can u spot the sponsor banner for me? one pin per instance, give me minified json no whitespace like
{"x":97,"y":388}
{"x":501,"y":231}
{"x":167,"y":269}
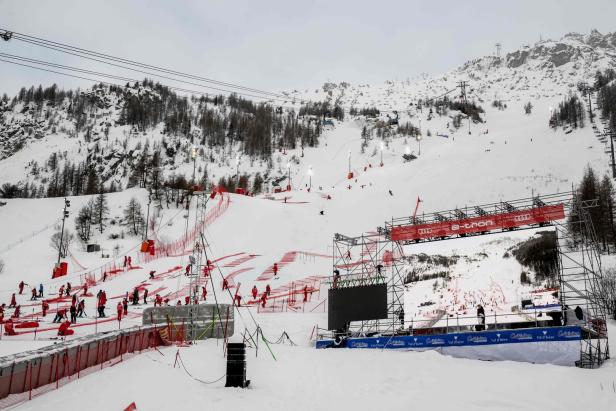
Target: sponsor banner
{"x":525,"y":335}
{"x":520,"y":218}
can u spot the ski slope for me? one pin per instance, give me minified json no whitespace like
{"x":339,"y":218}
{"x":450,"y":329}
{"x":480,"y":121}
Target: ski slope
{"x":509,"y":156}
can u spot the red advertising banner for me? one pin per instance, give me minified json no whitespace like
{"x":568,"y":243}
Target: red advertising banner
{"x":480,"y":224}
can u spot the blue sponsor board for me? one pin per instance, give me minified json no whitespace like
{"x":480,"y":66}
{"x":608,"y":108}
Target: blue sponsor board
{"x":524,"y":335}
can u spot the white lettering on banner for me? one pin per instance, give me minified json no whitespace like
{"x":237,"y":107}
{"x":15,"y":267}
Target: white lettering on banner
{"x":521,"y":336}
{"x":569,"y":334}
{"x":424,"y":231}
{"x":523,"y":217}
{"x":474,"y":224}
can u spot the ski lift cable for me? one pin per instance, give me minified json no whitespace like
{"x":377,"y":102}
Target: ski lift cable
{"x":132,"y":79}
{"x":180,"y":89}
{"x":82,"y":52}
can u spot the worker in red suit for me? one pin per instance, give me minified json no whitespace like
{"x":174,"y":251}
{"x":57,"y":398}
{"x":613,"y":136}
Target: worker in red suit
{"x":60,"y":314}
{"x":130,"y":262}
{"x":13,"y":303}
{"x":85,"y":289}
{"x":21,"y":287}
{"x":268,"y":289}
{"x":238,"y":300}
{"x":102,"y":300}
{"x":225,"y":284}
{"x":120,"y":310}
{"x":187,"y":300}
{"x":45,"y":307}
{"x":305,"y":293}
{"x":64,"y":329}
{"x":8,"y":328}
{"x":17,"y":312}
{"x":34,"y":295}
{"x":125,"y":306}
{"x":81,"y":308}
{"x":158,"y":301}
{"x":263,"y":299}
{"x":187,"y":270}
{"x":204,"y":293}
{"x":1,"y":313}
{"x":275,"y":269}
{"x":61,"y":291}
{"x":255,"y":292}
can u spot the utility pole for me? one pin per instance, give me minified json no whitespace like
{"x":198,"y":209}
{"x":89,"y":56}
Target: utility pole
{"x":611,"y":134}
{"x":289,"y":169}
{"x":310,"y":178}
{"x":589,"y":92}
{"x":463,"y":85}
{"x":350,"y":161}
{"x":237,"y":170}
{"x":194,"y":157}
{"x":147,"y":219}
{"x":67,"y":205}
{"x":419,"y":142}
{"x":498,"y":50}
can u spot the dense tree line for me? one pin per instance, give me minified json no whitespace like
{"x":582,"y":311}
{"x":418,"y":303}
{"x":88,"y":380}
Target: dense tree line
{"x":443,"y":105}
{"x":606,"y":96}
{"x":602,"y":216}
{"x":257,"y":129}
{"x":569,"y":112}
{"x":322,"y":110}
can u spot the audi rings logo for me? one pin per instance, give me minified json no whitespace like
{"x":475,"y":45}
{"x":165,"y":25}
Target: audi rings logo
{"x":474,"y":224}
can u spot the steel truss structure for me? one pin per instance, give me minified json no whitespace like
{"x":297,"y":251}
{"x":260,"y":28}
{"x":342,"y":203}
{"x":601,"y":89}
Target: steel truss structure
{"x":375,"y":258}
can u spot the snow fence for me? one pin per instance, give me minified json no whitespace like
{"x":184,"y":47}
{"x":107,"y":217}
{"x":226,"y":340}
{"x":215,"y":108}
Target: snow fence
{"x":31,"y":373}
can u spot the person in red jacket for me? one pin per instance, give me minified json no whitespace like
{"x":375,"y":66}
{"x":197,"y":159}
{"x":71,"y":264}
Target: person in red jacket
{"x":238,"y":300}
{"x":45,"y":307}
{"x":1,"y":313}
{"x":64,"y":330}
{"x":305,"y":293}
{"x":21,"y":287}
{"x":187,"y":270}
{"x":204,"y":293}
{"x":120,"y":311}
{"x":275,"y":269}
{"x":130,"y":262}
{"x":13,"y":303}
{"x":60,"y":314}
{"x":187,"y":300}
{"x":263,"y":299}
{"x":268,"y":289}
{"x":61,"y":291}
{"x":255,"y":292}
{"x":34,"y":295}
{"x":85,"y":289}
{"x":225,"y":284}
{"x":102,"y":300}
{"x":158,"y":301}
{"x":17,"y":312}
{"x":8,"y":328}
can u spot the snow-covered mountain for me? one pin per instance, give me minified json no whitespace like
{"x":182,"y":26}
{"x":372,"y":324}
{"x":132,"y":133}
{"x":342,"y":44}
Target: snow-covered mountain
{"x":113,"y":131}
{"x":547,"y":69}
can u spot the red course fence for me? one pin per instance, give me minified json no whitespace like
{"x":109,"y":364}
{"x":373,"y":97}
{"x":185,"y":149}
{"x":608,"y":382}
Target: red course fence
{"x":32,"y":373}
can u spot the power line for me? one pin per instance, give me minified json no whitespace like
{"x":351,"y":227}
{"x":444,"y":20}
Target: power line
{"x":174,"y":79}
{"x":69,"y":68}
{"x":84,"y":53}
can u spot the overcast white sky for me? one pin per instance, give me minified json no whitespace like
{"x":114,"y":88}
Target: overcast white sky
{"x":286,"y":44}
